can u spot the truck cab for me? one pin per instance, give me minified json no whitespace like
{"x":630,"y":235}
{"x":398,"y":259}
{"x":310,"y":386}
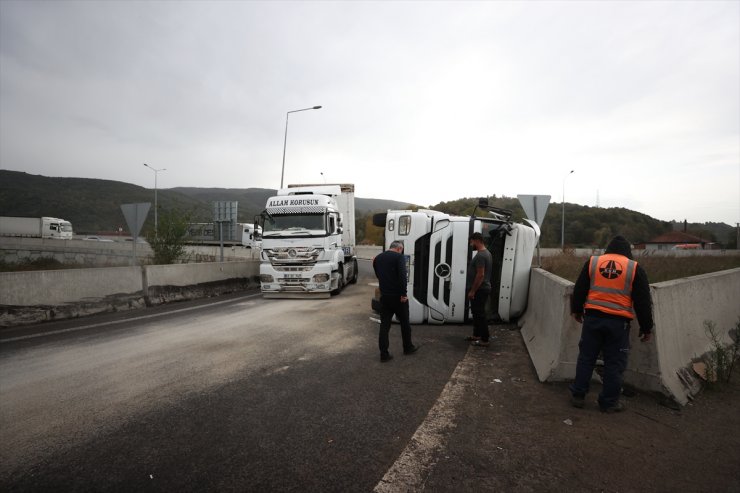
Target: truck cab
{"x":308,"y":241}
{"x":251,"y":236}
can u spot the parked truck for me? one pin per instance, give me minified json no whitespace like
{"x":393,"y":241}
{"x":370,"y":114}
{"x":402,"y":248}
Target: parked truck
{"x":36,"y":227}
{"x":210,"y":233}
{"x":308,"y":241}
{"x":437,"y":251}
{"x":251,"y":236}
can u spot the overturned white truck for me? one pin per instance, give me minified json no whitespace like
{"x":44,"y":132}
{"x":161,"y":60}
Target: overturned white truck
{"x":437,"y":253}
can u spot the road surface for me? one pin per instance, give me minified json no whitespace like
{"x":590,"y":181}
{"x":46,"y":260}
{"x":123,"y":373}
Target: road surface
{"x":231,"y":394}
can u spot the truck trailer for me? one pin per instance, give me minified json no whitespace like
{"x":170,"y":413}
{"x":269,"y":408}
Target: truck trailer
{"x":233,"y":234}
{"x":36,"y":227}
{"x":308,"y":241}
{"x":437,"y":251}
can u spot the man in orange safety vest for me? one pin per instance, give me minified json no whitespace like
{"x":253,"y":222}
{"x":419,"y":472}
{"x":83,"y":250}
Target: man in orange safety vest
{"x":611,"y":289}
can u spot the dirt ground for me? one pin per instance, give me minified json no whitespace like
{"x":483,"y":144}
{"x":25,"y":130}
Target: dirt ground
{"x":517,"y":434}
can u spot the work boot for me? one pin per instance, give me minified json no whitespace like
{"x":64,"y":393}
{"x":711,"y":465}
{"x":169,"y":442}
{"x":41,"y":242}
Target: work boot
{"x":616,"y":408}
{"x":578,"y":401}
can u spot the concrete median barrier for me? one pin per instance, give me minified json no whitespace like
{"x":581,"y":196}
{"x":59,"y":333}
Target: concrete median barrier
{"x":681,"y":308}
{"x":36,"y":296}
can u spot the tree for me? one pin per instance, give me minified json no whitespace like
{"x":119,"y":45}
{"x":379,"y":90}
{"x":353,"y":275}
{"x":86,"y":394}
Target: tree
{"x":168,"y":244}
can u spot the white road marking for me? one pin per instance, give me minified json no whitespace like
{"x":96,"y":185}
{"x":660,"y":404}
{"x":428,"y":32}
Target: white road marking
{"x":412,"y":468}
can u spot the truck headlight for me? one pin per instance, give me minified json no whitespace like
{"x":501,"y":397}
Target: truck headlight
{"x":266,"y":278}
{"x":321,"y":278}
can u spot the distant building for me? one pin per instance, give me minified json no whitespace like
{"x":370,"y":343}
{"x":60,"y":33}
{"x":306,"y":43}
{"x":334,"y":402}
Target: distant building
{"x":676,"y":240}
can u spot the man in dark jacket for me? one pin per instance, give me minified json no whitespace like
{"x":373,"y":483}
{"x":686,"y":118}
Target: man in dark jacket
{"x":611,"y":289}
{"x":390,"y":269}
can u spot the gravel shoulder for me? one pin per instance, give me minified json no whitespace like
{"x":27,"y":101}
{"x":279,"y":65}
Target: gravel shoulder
{"x":514,"y":433}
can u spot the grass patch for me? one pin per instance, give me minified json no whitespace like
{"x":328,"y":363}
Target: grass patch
{"x":658,"y":268}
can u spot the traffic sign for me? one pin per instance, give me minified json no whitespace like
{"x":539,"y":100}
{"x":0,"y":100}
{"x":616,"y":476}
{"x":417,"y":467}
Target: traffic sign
{"x":535,"y":206}
{"x":135,"y":215}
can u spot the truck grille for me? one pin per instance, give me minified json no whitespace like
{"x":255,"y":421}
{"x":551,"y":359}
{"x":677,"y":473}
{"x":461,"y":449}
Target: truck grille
{"x":296,"y":256}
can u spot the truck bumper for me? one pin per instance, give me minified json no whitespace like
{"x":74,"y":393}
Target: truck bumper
{"x":314,"y":283}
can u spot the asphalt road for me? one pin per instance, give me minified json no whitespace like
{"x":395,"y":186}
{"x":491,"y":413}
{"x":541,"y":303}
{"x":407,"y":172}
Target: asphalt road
{"x":229,"y":394}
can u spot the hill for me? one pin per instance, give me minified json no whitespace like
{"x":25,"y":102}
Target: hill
{"x":93,"y":206}
{"x":593,"y":226}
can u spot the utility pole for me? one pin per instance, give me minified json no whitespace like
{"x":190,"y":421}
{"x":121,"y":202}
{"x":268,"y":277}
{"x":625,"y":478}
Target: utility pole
{"x":562,"y":229}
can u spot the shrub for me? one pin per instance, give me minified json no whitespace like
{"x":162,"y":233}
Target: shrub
{"x":720,"y":360}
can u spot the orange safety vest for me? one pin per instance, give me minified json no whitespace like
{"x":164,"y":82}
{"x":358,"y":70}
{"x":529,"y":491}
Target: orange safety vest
{"x":611,"y":284}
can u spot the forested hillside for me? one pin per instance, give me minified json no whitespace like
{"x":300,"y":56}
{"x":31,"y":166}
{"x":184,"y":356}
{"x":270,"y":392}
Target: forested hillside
{"x":93,"y":206}
{"x":584,"y":227}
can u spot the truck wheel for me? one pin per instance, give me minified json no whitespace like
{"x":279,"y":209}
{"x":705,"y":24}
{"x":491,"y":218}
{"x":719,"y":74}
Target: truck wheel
{"x":340,"y":280}
{"x":354,"y":272}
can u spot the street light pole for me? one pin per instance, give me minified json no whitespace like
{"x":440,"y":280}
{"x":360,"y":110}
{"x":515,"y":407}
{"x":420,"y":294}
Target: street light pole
{"x":562,"y":229}
{"x":285,"y":141}
{"x":156,"y":171}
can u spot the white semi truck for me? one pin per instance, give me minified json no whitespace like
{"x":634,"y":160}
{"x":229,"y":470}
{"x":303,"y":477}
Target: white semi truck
{"x":437,"y":251}
{"x":308,"y":241}
{"x":36,"y":227}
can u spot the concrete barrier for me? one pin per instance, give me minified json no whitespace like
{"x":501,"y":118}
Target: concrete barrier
{"x":91,"y":253}
{"x":191,"y":274}
{"x":31,"y":297}
{"x":55,"y":287}
{"x":547,"y":328}
{"x":680,"y":309}
{"x":107,"y":253}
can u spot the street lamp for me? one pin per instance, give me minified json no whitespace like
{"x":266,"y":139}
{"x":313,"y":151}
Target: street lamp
{"x":285,"y":142}
{"x":562,"y":230}
{"x":155,"y":194}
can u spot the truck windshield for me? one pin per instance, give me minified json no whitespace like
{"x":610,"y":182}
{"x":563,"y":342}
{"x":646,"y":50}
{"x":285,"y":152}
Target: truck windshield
{"x":309,"y":223}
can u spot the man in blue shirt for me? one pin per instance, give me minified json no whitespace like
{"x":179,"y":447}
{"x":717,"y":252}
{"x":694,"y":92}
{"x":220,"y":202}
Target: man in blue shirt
{"x":390,"y":269}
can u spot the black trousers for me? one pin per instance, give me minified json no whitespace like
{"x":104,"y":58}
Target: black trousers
{"x":612,"y":338}
{"x":478,"y":307}
{"x":389,"y":306}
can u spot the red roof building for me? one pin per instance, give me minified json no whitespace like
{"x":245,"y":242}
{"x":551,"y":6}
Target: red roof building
{"x":675,"y":240}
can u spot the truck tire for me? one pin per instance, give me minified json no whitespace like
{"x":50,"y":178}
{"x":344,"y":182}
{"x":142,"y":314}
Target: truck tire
{"x":354,"y":272}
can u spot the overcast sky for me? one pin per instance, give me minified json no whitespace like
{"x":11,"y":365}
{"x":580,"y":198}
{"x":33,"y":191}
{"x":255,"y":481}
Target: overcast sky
{"x":422,"y":101}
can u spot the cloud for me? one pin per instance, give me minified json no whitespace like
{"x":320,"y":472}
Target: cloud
{"x":422,"y":101}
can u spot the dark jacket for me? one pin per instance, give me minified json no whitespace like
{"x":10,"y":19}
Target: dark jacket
{"x":641,"y":301}
{"x":390,"y":269}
